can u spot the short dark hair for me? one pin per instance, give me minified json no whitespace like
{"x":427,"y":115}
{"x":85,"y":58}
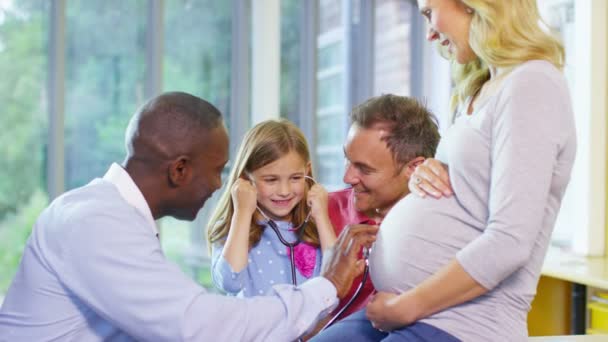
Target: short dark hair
{"x":183,"y":112}
{"x":171,"y":124}
{"x":413,"y":128}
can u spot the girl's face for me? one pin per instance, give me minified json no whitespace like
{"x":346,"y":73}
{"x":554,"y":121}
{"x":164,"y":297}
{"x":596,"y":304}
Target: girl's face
{"x":449,"y":22}
{"x":281,"y":185}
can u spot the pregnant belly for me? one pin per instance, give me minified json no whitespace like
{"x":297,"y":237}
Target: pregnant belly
{"x":418,"y":237}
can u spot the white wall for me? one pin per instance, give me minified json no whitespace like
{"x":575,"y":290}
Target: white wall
{"x":265,"y":60}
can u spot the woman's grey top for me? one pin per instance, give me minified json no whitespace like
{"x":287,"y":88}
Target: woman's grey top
{"x":509,"y":164}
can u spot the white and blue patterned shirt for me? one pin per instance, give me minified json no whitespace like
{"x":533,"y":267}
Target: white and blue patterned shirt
{"x":268,"y":264}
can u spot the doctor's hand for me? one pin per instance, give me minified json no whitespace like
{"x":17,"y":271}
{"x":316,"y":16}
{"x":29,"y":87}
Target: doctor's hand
{"x":341,"y":263}
{"x":244,"y":196}
{"x":431,"y":178}
{"x":387,"y":312}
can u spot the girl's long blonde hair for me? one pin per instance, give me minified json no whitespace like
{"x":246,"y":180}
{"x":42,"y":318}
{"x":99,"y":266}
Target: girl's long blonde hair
{"x":503,"y":34}
{"x":265,"y":143}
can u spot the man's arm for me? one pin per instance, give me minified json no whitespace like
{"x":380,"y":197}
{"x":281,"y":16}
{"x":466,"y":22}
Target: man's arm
{"x":120,"y":272}
{"x":318,"y":327}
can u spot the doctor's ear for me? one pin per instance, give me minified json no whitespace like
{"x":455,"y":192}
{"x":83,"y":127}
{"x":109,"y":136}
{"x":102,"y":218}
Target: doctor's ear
{"x":179,"y":171}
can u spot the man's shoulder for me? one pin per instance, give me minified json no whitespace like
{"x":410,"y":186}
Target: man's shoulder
{"x":98,"y":190}
{"x":97,"y":197}
{"x":340,"y":201}
{"x":341,"y":196}
{"x":341,"y":209}
{"x":83,"y":217}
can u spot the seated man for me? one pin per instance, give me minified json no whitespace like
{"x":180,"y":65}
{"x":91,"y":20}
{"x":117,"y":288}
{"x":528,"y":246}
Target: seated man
{"x":93,"y":268}
{"x":389,"y":136}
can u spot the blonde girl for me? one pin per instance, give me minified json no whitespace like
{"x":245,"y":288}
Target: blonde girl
{"x":270,"y":184}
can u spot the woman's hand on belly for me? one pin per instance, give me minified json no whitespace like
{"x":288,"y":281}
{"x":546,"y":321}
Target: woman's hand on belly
{"x":390,"y":311}
{"x":431,"y":178}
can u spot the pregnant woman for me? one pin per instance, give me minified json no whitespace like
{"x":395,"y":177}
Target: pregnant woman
{"x":465,"y":266}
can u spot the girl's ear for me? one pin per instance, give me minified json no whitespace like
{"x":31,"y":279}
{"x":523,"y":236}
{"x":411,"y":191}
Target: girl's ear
{"x":247,"y":176}
{"x":309,"y":169}
{"x":410,"y":167}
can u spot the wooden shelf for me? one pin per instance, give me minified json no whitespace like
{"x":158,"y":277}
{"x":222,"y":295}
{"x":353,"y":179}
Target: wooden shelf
{"x":590,"y":271}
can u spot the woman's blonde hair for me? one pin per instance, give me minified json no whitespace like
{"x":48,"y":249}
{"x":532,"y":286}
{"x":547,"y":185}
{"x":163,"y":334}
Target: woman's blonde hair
{"x":503,"y":34}
{"x":265,"y":143}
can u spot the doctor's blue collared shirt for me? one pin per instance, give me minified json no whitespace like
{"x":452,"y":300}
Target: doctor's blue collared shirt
{"x":93,"y":270}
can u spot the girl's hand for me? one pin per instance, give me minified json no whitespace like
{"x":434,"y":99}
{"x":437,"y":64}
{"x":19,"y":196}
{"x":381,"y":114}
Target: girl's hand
{"x":244,"y":196}
{"x":431,"y":177}
{"x":384,"y":312}
{"x":317,"y":201}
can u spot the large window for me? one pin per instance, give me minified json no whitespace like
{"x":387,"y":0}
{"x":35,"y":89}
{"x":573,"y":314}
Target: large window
{"x":23,"y":125}
{"x":393,"y":46}
{"x":198,"y":64}
{"x":290,"y":58}
{"x":331,"y":111}
{"x":105,"y":63}
{"x":106,"y":50}
{"x":348,"y":73}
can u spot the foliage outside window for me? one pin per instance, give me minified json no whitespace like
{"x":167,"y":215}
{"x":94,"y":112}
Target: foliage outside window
{"x":23,"y":124}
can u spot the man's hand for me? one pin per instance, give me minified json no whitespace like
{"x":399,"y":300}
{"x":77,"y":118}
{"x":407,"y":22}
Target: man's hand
{"x":340,"y":263}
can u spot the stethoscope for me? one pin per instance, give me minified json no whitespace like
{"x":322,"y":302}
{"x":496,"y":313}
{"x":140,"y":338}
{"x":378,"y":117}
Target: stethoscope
{"x":366,"y":252}
{"x":290,"y":245}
